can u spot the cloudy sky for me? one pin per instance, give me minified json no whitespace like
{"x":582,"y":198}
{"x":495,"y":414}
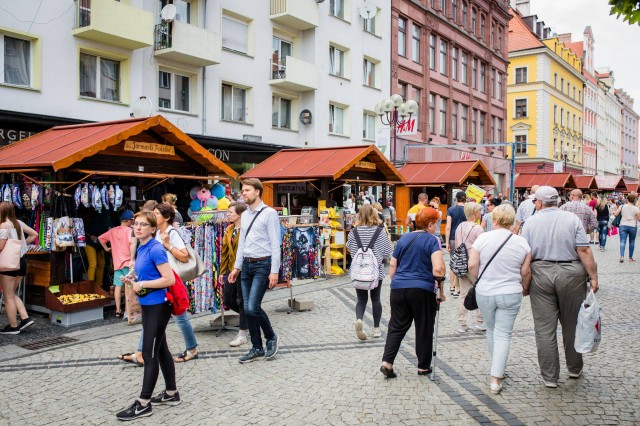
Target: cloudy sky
{"x":617,"y":42}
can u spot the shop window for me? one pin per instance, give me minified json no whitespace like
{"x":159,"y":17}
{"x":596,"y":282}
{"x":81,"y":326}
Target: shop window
{"x":173,"y":91}
{"x":415,"y":44}
{"x":336,"y":61}
{"x":443,"y":57}
{"x":368,"y":126}
{"x":521,"y":108}
{"x":336,"y":119}
{"x":521,"y":144}
{"x":99,"y":78}
{"x":235,"y":35}
{"x":281,"y":113}
{"x":521,"y":75}
{"x":234,"y":103}
{"x":16,"y":60}
{"x":369,"y":69}
{"x":336,"y":8}
{"x":402,"y":37}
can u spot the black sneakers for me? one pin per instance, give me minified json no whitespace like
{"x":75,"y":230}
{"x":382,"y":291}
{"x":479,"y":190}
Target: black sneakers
{"x":10,"y":330}
{"x":272,"y":347}
{"x":164,"y":399}
{"x":252,"y":355}
{"x":135,"y":411}
{"x":25,"y":323}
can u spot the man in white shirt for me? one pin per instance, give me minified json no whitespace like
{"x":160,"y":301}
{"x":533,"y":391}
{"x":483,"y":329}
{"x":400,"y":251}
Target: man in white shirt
{"x":258,"y":258}
{"x":526,"y":209}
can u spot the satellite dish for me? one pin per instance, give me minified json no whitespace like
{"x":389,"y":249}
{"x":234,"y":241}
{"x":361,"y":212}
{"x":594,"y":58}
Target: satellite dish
{"x":141,"y":107}
{"x":367,"y":10}
{"x":319,"y":1}
{"x":168,"y":13}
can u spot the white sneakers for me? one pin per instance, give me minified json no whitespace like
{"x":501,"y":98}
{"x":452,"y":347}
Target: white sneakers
{"x":360,"y":334}
{"x":575,"y":375}
{"x":496,"y":388}
{"x":479,"y":326}
{"x":377,"y":333}
{"x":240,"y":339}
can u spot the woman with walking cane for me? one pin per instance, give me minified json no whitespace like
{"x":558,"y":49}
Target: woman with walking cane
{"x":416,"y":264}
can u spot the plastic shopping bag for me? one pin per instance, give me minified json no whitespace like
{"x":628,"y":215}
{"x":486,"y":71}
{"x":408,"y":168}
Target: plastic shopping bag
{"x":589,"y":328}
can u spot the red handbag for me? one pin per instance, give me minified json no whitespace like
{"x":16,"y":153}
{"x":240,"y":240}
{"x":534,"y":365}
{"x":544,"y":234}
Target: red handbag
{"x":178,"y":297}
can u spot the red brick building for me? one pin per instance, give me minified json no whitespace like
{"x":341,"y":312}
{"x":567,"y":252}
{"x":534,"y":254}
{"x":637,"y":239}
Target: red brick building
{"x":452,"y":56}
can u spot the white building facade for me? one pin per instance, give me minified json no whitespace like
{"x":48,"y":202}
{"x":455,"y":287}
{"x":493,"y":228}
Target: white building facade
{"x":609,"y":125}
{"x":629,"y":134}
{"x":234,"y":74}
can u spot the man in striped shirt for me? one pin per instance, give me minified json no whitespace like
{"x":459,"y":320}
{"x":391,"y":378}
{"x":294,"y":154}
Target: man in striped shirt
{"x":586,"y":215}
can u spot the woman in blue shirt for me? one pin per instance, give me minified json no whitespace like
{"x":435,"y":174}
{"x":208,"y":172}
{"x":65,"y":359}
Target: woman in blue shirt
{"x":154,"y":276}
{"x":416,"y":262}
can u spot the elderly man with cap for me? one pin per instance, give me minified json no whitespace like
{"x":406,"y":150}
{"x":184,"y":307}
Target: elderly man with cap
{"x":526,"y":209}
{"x":585,"y":213}
{"x":561,"y":261}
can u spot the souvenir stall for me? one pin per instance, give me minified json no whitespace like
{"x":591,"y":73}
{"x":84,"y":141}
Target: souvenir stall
{"x":441,"y":179}
{"x":69,"y":178}
{"x":611,"y":185}
{"x":586,"y":183}
{"x":314,"y":184}
{"x":563,"y":182}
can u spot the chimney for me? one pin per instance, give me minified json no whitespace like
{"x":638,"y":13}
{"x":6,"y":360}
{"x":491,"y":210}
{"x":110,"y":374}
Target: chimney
{"x":564,"y":38}
{"x":540,"y":31}
{"x":547,"y":32}
{"x":531,"y":22}
{"x":524,"y":7}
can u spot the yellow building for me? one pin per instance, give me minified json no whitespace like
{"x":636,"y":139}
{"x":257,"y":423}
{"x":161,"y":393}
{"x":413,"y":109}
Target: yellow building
{"x":544,"y":95}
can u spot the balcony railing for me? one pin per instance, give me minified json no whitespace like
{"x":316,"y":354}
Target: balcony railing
{"x":278,"y":69}
{"x":83,"y":13}
{"x":163,"y":38}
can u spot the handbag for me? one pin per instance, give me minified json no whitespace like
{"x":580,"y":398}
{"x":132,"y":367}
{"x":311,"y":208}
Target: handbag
{"x":192,"y":268}
{"x":470,"y":302}
{"x":616,"y":221}
{"x":10,"y":255}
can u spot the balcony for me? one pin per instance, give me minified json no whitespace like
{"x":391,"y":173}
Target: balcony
{"x":296,"y":14}
{"x":187,"y":44}
{"x":114,"y":23}
{"x":293,"y":74}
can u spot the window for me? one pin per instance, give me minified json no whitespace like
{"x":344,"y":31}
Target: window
{"x":555,"y":80}
{"x":281,"y":49}
{"x":574,"y":122}
{"x":234,"y":103}
{"x":417,"y":96}
{"x":443,"y":5}
{"x":499,"y":130}
{"x":463,"y":125}
{"x":443,"y":57}
{"x":454,"y":120}
{"x":474,"y":128}
{"x":579,"y":95}
{"x":454,"y":63}
{"x":336,"y":61}
{"x":369,"y":73}
{"x":16,"y":61}
{"x":562,"y":84}
{"x":280,"y":113}
{"x":474,"y":21}
{"x":464,"y":14}
{"x":402,"y":37}
{"x":493,"y":82}
{"x":336,"y":8}
{"x":368,"y":126}
{"x":336,"y":119}
{"x":443,"y":117}
{"x":402,"y":87}
{"x":482,"y":27}
{"x":521,"y":108}
{"x":474,"y":73}
{"x":500,"y":39}
{"x":483,"y":118}
{"x":568,"y":88}
{"x":415,"y":44}
{"x":483,"y":79}
{"x":465,"y":68}
{"x":432,"y":113}
{"x":567,"y":118}
{"x":432,"y":52}
{"x":235,"y":35}
{"x":521,"y":144}
{"x":574,"y":92}
{"x":173,"y":91}
{"x":555,"y":114}
{"x":454,"y":10}
{"x":99,"y":78}
{"x":492,"y":35}
{"x":561,"y":116}
{"x":521,"y":75}
{"x":499,"y":86}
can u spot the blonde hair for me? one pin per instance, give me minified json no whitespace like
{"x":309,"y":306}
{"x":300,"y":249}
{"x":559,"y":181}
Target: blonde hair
{"x":470,"y":209}
{"x":170,"y":199}
{"x":368,"y":216}
{"x":602,"y":202}
{"x":504,"y":215}
{"x":377,"y":206}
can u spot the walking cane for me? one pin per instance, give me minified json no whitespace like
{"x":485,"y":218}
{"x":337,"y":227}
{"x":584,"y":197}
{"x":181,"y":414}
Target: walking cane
{"x":439,"y":281}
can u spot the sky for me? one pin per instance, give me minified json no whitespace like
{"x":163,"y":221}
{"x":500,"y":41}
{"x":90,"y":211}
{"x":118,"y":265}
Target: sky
{"x":617,"y":44}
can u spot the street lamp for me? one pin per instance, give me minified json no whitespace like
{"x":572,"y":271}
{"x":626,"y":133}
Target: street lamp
{"x":393,"y":111}
{"x":622,"y":170}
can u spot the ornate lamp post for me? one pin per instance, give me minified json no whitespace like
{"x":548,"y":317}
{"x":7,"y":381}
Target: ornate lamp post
{"x":393,"y":111}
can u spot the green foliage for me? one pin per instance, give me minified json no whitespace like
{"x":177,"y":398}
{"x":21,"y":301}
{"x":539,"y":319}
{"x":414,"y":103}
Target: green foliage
{"x":629,"y":9}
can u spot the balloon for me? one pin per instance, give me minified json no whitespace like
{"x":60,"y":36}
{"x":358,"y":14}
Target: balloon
{"x":195,"y":205}
{"x":218,"y":191}
{"x":212,"y":202}
{"x":193,"y":192}
{"x":203,"y":194}
{"x":223,"y":203}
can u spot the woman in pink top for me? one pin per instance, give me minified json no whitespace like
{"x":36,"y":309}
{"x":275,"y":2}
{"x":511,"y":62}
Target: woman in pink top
{"x":120,"y":241}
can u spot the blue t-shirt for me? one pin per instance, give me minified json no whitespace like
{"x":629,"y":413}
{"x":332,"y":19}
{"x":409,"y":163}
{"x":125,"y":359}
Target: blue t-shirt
{"x":457,"y":217}
{"x":415,"y":269}
{"x":148,"y":257}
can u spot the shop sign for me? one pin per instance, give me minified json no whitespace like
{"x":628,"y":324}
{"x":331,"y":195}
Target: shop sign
{"x":475,"y":192}
{"x":407,"y":127}
{"x":293,"y":188}
{"x":365,"y":165}
{"x":558,"y":167}
{"x":8,"y":136}
{"x":220,"y":154}
{"x":149,"y":148}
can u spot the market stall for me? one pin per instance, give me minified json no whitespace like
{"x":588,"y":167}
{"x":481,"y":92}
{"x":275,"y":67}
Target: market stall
{"x":69,"y":178}
{"x":586,"y":183}
{"x":611,"y":184}
{"x":632,"y":185}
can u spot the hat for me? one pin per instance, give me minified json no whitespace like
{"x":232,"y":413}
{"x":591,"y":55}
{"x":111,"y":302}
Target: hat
{"x":546,"y":194}
{"x":126,"y":215}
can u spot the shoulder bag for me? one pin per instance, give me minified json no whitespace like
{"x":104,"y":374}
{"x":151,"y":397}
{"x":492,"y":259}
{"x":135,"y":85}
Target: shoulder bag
{"x":618,"y":219}
{"x":470,"y":302}
{"x":192,"y":268}
{"x":10,"y":255}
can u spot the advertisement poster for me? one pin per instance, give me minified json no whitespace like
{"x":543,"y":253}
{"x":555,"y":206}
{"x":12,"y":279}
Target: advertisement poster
{"x":475,"y":192}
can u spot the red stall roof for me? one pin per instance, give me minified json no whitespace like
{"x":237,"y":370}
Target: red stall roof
{"x":319,"y":163}
{"x":447,"y":173}
{"x":63,"y":146}
{"x":555,"y":180}
{"x":586,"y":182}
{"x":631,"y":186}
{"x":611,"y":183}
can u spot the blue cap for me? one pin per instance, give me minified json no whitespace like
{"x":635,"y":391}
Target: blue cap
{"x":126,"y":215}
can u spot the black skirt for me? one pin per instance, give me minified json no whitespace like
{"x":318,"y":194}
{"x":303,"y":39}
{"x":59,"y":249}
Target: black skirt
{"x":19,"y":272}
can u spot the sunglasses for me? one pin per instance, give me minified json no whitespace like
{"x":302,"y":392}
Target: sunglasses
{"x":141,"y":224}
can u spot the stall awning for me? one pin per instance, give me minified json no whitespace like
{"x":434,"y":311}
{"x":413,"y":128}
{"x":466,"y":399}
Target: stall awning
{"x":447,"y":173}
{"x":555,"y":180}
{"x":632,"y":186}
{"x":586,"y":182}
{"x":63,"y":146}
{"x":324,"y":163}
{"x":611,"y":183}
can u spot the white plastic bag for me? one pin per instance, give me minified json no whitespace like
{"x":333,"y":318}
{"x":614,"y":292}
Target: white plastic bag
{"x":589,"y":328}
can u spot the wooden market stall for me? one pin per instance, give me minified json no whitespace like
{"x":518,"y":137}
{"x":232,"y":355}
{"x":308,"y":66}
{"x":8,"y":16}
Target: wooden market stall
{"x":608,"y":184}
{"x":632,"y":186}
{"x":586,"y":183}
{"x":141,"y":154}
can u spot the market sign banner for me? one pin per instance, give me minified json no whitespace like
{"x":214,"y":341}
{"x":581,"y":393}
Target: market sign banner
{"x":407,"y":127}
{"x":292,"y":188}
{"x":475,"y":192}
{"x":365,"y":165}
{"x":149,"y":148}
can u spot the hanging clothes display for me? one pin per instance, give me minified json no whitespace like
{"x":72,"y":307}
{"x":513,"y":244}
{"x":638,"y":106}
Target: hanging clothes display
{"x":300,"y":253}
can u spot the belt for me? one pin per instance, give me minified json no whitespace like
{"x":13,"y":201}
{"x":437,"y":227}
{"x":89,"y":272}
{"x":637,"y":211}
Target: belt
{"x":256,"y":259}
{"x":555,"y":261}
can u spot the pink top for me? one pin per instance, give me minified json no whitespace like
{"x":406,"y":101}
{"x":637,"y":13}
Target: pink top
{"x":120,"y":239}
{"x":467,"y":233}
{"x":593,"y":203}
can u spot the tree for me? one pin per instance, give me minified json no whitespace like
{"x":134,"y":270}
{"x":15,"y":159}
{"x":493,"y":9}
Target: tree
{"x":629,"y":9}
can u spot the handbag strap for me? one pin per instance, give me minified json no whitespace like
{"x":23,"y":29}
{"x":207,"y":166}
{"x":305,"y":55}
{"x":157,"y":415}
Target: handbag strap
{"x":413,"y":240}
{"x":492,"y":257}
{"x":251,"y":224}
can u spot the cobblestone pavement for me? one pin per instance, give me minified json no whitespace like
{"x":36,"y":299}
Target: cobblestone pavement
{"x":323,"y":375}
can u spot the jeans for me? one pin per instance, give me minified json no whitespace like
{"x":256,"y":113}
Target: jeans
{"x":603,"y":227}
{"x":499,"y":313}
{"x":631,"y":232}
{"x":185,"y":328}
{"x":155,"y":350}
{"x":376,"y":304}
{"x":255,"y":281}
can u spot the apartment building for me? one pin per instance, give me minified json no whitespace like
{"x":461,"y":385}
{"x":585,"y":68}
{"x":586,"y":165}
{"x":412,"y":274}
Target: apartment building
{"x":609,"y":124}
{"x":243,"y":77}
{"x":451,"y":57}
{"x":629,"y":134}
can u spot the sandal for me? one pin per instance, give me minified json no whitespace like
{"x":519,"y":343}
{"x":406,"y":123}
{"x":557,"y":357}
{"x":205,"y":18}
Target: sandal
{"x":186,"y":356}
{"x":622,"y":260}
{"x":132,"y":358}
{"x":119,"y":314}
{"x":631,"y":259}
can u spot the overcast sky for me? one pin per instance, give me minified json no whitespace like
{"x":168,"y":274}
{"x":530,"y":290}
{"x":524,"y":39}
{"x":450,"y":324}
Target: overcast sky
{"x":617,"y":43}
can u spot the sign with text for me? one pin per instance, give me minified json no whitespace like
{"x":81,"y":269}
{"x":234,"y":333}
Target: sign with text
{"x":365,"y":165}
{"x":407,"y":127}
{"x":557,"y":167}
{"x":292,"y":188}
{"x":475,"y":192}
{"x":8,"y":136}
{"x":149,"y":148}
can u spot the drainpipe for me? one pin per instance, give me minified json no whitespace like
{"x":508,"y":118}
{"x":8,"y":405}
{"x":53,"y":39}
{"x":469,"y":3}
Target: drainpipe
{"x":204,"y":79}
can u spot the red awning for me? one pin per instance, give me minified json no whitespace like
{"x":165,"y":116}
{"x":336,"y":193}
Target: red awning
{"x":555,"y":180}
{"x":447,"y":173}
{"x":611,"y":183}
{"x":319,"y":163}
{"x":586,"y":182}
